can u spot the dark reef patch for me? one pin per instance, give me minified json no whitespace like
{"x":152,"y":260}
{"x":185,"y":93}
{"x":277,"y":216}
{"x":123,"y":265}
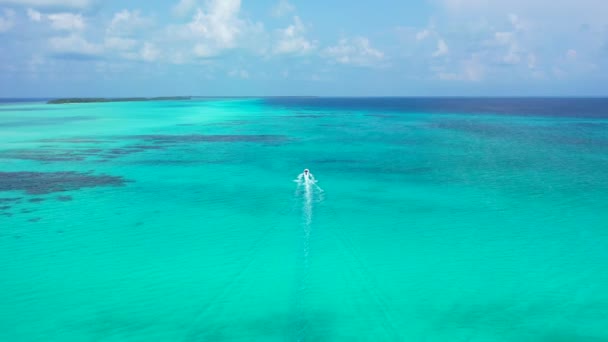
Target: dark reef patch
{"x":230,"y":123}
{"x":26,"y":109}
{"x":309,"y":116}
{"x":45,"y":121}
{"x":486,"y":129}
{"x":74,"y":140}
{"x":40,"y":183}
{"x":383,"y":116}
{"x":119,"y":99}
{"x":173,"y":162}
{"x":50,"y":154}
{"x":523,"y":133}
{"x":141,"y":143}
{"x":200,"y":138}
{"x":64,"y":198}
{"x":122,"y":151}
{"x":6,"y":200}
{"x":5,"y":207}
{"x":35,"y":219}
{"x":36,"y":200}
{"x":147,"y":147}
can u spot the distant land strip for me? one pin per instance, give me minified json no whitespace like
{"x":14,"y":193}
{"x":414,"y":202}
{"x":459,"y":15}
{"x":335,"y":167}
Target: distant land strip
{"x":124,"y":99}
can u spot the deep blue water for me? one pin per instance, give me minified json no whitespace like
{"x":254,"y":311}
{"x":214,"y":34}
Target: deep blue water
{"x":556,"y":107}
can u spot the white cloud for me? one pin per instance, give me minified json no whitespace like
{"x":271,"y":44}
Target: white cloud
{"x":34,"y":15}
{"x":184,"y":7}
{"x":356,"y":51}
{"x":66,"y":21}
{"x":555,"y":13}
{"x":442,"y":48}
{"x":215,"y":28}
{"x":292,"y":39}
{"x":219,"y":23}
{"x":283,"y":8}
{"x":122,"y":44}
{"x":204,"y":51}
{"x":149,"y":52}
{"x":126,"y":22}
{"x":532,"y":61}
{"x":7,"y":20}
{"x":422,"y":35}
{"x":81,"y":4}
{"x":74,"y":45}
{"x":508,"y":40}
{"x":516,"y":22}
{"x":470,"y":70}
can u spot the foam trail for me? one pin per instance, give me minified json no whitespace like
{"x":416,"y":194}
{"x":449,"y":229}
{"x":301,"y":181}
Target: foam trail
{"x":307,"y":187}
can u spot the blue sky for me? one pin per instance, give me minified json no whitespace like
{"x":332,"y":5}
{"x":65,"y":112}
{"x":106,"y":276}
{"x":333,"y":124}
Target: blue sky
{"x":51,"y":48}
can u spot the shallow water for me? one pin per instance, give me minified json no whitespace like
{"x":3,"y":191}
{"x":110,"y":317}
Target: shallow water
{"x":438,"y":220}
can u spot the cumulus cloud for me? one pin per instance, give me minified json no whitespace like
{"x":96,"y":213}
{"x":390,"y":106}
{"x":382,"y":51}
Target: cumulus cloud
{"x":356,"y":51}
{"x":34,"y":15}
{"x":515,"y":33}
{"x":203,"y":51}
{"x":214,"y":28}
{"x":469,"y":70}
{"x":148,"y":52}
{"x":74,"y":45}
{"x":422,"y":35}
{"x":442,"y":48}
{"x":218,"y":23}
{"x":118,"y":43}
{"x":292,"y":39}
{"x":66,"y":21}
{"x":283,"y":8}
{"x":532,"y":60}
{"x":7,"y":20}
{"x":184,"y":7}
{"x":555,"y":13}
{"x":509,"y":41}
{"x":80,"y":4}
{"x":127,"y":22}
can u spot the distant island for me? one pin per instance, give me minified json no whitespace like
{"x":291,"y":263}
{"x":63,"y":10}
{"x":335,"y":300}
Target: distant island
{"x":124,"y":99}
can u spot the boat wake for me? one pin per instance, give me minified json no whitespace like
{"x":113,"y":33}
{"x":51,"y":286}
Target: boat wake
{"x":310,"y":193}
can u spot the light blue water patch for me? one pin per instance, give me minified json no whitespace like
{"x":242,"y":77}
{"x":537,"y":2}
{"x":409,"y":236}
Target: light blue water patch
{"x":164,"y":221}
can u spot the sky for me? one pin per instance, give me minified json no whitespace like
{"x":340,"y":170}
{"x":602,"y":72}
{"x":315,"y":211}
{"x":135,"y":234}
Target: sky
{"x":63,"y":48}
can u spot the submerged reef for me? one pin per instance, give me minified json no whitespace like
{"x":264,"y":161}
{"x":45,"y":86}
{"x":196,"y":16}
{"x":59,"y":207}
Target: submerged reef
{"x":40,"y":183}
{"x":125,"y":99}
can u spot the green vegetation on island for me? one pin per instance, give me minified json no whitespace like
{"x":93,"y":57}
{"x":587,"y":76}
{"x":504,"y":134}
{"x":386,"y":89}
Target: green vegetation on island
{"x":125,"y":99}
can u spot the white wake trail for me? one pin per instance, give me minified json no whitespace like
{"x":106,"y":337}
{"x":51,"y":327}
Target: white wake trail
{"x":310,"y":193}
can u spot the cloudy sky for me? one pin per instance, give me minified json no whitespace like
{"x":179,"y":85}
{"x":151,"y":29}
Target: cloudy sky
{"x":294,"y":47}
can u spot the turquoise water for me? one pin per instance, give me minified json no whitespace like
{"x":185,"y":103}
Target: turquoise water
{"x":181,"y":221}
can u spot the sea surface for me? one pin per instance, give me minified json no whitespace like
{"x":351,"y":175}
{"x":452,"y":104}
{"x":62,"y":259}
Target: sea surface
{"x":432,"y":219}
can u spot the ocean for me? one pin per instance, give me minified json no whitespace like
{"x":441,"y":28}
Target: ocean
{"x":431,"y":219}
